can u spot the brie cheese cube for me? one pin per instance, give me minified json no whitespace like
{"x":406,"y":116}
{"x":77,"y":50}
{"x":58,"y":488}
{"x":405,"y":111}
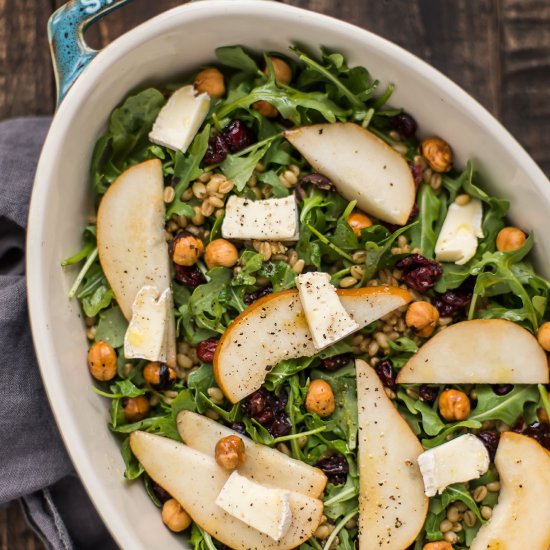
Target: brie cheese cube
{"x":263,"y":508}
{"x":457,"y":241}
{"x":459,"y":460}
{"x":149,"y":331}
{"x":180,"y":119}
{"x":263,"y":220}
{"x":326,"y":317}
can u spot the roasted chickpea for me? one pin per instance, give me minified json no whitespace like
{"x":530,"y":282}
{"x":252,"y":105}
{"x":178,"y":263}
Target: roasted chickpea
{"x":510,"y":238}
{"x":102,"y":361}
{"x":221,"y":253}
{"x":438,"y":154}
{"x":282,"y":70}
{"x":440,"y":545}
{"x":543,"y":336}
{"x":174,"y":516}
{"x":358,"y":221}
{"x":210,"y":81}
{"x":159,"y":375}
{"x":230,"y":452}
{"x":454,"y":405}
{"x":135,"y":408}
{"x":186,"y":249}
{"x":320,"y":398}
{"x":265,"y":109}
{"x":423,"y":318}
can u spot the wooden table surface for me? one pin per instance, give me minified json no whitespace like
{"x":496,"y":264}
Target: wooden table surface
{"x":497,"y":50}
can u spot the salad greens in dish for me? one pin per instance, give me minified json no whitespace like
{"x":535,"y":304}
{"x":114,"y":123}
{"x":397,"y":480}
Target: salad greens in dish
{"x":314,"y":330}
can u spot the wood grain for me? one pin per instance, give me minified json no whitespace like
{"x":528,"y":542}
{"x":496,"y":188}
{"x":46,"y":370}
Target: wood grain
{"x":497,"y":50}
{"x":14,"y":532}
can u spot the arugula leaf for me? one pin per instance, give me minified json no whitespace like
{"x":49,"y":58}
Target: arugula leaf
{"x":423,"y":235}
{"x":126,"y":143}
{"x":379,"y":253}
{"x":250,"y":262}
{"x":239,"y":168}
{"x":99,"y":300}
{"x":490,"y":406}
{"x":292,"y":104}
{"x":132,"y":468}
{"x":205,"y":304}
{"x":187,"y":169}
{"x":112,"y":327}
{"x":280,"y":275}
{"x":507,"y":408}
{"x":236,"y":58}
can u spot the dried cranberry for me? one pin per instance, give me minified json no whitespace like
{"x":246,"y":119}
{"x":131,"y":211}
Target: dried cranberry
{"x":299,"y":193}
{"x":427,"y":393}
{"x":160,"y":493}
{"x":335,"y":467}
{"x":320,"y":181}
{"x":450,"y":303}
{"x":217,"y":150}
{"x":253,"y":296}
{"x":191,"y":276}
{"x":404,"y":124}
{"x":267,"y":408}
{"x":237,"y":136}
{"x":490,"y":439}
{"x":255,"y":403}
{"x":540,"y":432}
{"x":337,"y":362}
{"x":420,"y":273}
{"x":239,"y":427}
{"x":280,"y":426}
{"x":266,"y":417}
{"x":206,"y":350}
{"x":502,"y":389}
{"x":386,"y":373}
{"x":417,"y":172}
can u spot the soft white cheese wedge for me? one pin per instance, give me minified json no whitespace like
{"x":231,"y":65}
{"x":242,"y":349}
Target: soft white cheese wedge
{"x":180,"y":119}
{"x":457,"y":241}
{"x":459,"y":460}
{"x":264,"y":220}
{"x":263,"y":508}
{"x":326,"y":317}
{"x":149,"y":332}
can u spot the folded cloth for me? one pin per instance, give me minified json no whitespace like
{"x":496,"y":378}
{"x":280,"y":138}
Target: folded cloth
{"x":34,"y":466}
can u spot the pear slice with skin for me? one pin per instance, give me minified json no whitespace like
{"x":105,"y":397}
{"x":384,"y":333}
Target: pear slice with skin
{"x":130,"y":239}
{"x":275,"y":328}
{"x":195,"y":481}
{"x":520,"y":518}
{"x":263,"y":464}
{"x":392,"y":503}
{"x":361,"y":166}
{"x":481,"y":351}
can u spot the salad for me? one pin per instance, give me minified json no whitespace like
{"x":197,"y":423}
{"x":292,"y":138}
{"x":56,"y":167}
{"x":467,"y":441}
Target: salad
{"x":313,"y":328}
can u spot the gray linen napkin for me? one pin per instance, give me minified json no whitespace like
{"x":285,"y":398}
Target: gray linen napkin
{"x":34,"y":466}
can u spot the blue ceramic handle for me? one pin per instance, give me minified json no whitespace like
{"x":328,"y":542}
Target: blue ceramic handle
{"x":66,"y":27}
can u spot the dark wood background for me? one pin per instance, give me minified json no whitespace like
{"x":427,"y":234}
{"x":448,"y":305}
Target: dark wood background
{"x":497,"y":50}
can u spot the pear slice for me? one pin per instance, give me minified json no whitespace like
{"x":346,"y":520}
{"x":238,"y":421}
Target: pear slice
{"x":520,"y":519}
{"x":392,"y":503}
{"x":130,"y":239}
{"x":195,"y":481}
{"x":263,"y":464}
{"x":275,"y":328}
{"x":481,"y":351}
{"x":361,"y":166}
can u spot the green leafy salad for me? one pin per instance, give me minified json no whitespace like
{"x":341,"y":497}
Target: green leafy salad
{"x":313,"y":329}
